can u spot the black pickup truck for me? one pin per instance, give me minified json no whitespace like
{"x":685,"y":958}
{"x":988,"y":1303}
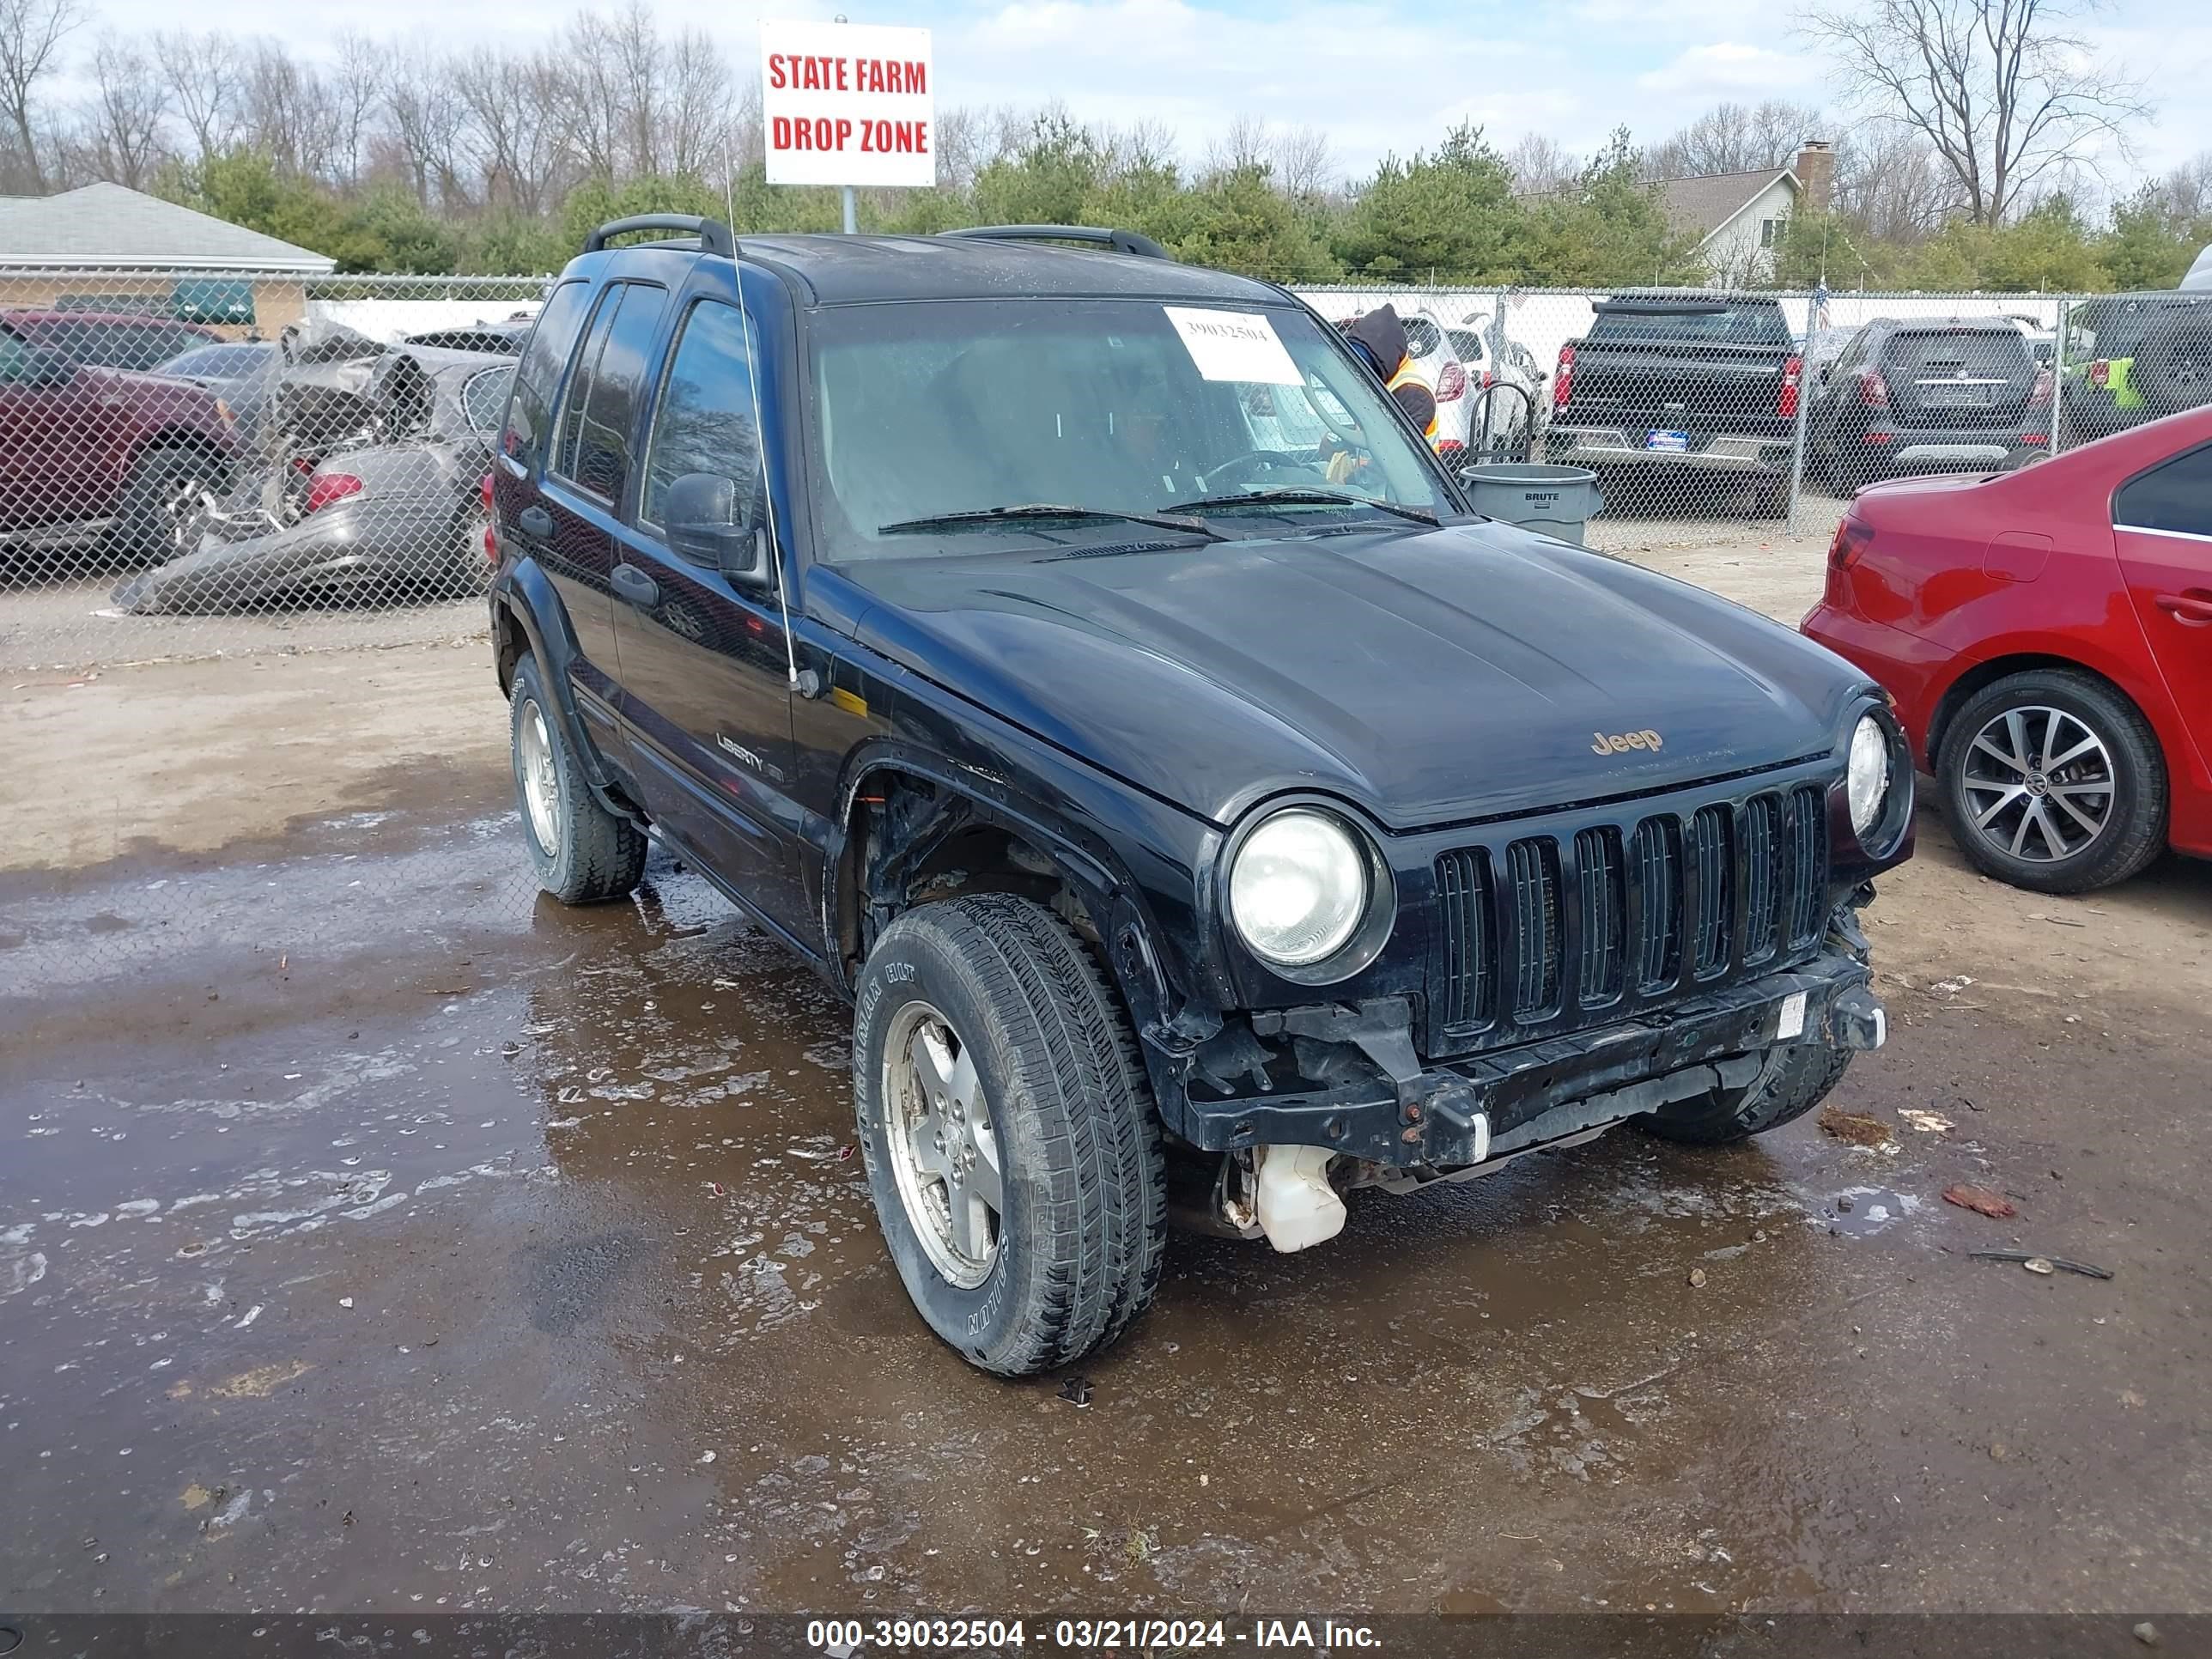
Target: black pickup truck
{"x":1674,"y":381}
{"x":1194,"y":817}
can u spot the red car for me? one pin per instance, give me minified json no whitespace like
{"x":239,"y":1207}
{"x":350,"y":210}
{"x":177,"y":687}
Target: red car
{"x":2047,"y":637}
{"x":139,"y":454}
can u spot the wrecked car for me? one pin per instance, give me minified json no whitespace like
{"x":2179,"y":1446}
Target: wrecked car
{"x":1200,"y":813}
{"x":376,"y":491}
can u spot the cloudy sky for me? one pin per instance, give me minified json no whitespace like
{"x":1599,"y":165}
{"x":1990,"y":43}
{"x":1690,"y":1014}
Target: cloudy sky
{"x":1377,"y":75}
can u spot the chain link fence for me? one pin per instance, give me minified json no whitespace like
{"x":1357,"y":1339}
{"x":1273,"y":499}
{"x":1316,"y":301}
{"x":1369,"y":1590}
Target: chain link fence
{"x":196,"y":465}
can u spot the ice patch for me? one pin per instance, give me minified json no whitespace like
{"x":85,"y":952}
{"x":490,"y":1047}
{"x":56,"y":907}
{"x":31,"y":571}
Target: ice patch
{"x":23,"y":1272}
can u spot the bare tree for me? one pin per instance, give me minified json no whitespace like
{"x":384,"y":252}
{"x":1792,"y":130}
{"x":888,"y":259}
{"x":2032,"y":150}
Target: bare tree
{"x":1732,"y":137}
{"x":1245,"y":143}
{"x":640,"y":74}
{"x":426,"y":127}
{"x":2002,"y":90}
{"x":207,"y":79}
{"x":1889,"y":180}
{"x":353,"y":90}
{"x":593,"y":101}
{"x":699,"y":105}
{"x":289,"y":111}
{"x":1305,"y":163}
{"x":1146,"y":146}
{"x":2185,"y":193}
{"x":1540,"y":165}
{"x":966,"y":143}
{"x":512,"y":138}
{"x":31,"y":36}
{"x":120,"y":125}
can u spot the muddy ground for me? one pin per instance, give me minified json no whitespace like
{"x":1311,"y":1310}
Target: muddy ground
{"x":373,"y":1235}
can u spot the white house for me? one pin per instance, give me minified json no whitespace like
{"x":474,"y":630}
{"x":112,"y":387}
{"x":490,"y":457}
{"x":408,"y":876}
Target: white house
{"x":1739,"y":218}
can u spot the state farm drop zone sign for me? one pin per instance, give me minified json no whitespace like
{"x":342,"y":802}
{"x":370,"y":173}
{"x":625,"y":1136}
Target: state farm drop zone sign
{"x":847,"y":104}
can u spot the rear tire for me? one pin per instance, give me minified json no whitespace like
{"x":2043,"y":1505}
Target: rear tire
{"x":583,"y":854}
{"x":1795,"y":1080}
{"x":169,"y":491}
{"x":2128,"y":766}
{"x":990,"y":1004}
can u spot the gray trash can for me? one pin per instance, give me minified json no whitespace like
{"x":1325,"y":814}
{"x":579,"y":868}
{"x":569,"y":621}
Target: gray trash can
{"x":1558,"y":500}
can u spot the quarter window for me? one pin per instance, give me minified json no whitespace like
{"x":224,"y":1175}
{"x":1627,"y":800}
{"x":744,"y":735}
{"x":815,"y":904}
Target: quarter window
{"x":2174,"y":495}
{"x":538,"y":374}
{"x":600,"y":409}
{"x":484,"y":396}
{"x":704,"y":420}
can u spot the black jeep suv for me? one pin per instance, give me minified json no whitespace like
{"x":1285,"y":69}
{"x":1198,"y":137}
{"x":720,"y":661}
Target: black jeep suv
{"x":1183,"y":813}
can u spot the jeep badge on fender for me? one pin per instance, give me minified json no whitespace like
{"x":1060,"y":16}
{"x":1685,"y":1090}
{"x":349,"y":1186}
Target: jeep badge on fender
{"x":1116,"y":824}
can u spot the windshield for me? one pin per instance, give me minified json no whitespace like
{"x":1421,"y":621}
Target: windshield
{"x":1112,"y":406}
{"x":221,"y":361}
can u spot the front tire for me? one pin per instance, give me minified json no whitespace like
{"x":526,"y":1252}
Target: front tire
{"x":1793,"y":1082}
{"x":583,"y":854}
{"x":166,"y":497}
{"x":1011,"y":1145}
{"x":2095,"y":818}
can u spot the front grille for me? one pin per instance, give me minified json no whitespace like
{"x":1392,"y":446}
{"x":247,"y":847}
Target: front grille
{"x":1641,"y":909}
{"x":1470,"y":939}
{"x":1604,"y":914}
{"x":1709,"y":869}
{"x":1531,"y":873}
{"x":1659,"y":869}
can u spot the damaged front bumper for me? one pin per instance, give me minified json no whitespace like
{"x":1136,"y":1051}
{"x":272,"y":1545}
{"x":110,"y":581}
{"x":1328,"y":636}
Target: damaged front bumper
{"x":1450,"y":1113}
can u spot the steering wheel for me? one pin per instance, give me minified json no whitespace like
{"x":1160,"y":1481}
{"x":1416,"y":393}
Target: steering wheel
{"x":1250,"y":461}
{"x":1319,"y":396}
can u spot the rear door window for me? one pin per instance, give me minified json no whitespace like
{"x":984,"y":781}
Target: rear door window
{"x":1958,"y":353}
{"x":1693,"y":323}
{"x":600,"y":411}
{"x":1467,"y":344}
{"x":537,"y":377}
{"x":2175,"y":497}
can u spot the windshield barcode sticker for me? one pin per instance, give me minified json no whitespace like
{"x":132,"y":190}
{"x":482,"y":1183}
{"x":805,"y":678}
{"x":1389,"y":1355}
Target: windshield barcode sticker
{"x":1234,"y":346}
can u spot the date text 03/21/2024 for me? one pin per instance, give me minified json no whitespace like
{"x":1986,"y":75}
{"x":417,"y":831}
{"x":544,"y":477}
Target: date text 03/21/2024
{"x":842,"y":1638}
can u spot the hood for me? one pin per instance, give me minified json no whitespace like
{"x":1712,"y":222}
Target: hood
{"x":1428,"y":676}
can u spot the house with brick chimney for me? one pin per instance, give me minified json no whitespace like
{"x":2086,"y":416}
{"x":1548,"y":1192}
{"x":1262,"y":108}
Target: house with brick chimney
{"x":1739,"y":218}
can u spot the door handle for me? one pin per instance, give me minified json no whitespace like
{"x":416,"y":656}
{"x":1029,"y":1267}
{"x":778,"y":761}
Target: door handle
{"x":534,"y":521}
{"x":634,"y":585}
{"x":2186,"y":609}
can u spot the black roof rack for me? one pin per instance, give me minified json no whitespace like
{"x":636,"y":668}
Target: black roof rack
{"x":1121,"y":241}
{"x":714,"y":235}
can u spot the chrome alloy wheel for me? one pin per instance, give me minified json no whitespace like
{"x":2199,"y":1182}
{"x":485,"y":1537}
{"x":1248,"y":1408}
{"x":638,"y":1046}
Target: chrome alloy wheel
{"x":943,"y":1149}
{"x":541,"y":783}
{"x":2038,"y":784}
{"x":186,"y":502}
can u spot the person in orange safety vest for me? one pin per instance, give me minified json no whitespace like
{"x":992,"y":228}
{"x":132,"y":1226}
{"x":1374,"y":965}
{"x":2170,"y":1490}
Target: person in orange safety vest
{"x":1379,"y":340}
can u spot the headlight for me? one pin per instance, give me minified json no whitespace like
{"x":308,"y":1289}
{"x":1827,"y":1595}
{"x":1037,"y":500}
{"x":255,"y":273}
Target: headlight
{"x":1299,"y":888}
{"x":1867,"y":781}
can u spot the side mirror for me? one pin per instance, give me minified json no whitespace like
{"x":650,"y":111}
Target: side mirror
{"x":708,"y":523}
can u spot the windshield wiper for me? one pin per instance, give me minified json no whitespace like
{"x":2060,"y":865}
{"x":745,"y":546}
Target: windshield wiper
{"x":1293,"y":495}
{"x":985,"y":515}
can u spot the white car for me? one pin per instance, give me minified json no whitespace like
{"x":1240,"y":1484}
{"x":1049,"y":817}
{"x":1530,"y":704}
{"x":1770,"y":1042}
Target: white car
{"x":1429,"y":342}
{"x":1506,"y":387}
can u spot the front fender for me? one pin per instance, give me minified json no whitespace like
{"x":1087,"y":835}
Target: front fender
{"x":1137,"y":887}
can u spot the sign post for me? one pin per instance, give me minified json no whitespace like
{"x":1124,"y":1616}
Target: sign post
{"x":847,"y":104}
